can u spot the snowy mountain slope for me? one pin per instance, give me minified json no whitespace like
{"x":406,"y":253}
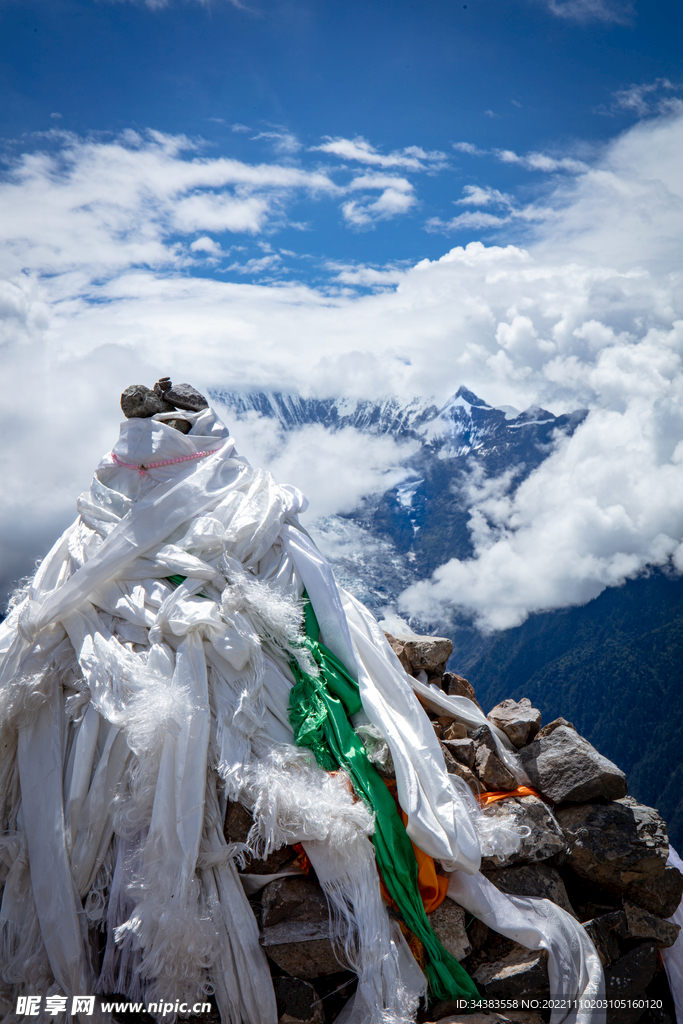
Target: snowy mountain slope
{"x":402,"y":534}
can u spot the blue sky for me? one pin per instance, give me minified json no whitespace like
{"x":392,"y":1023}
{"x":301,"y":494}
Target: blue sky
{"x":523,"y":76}
{"x":355,"y":200}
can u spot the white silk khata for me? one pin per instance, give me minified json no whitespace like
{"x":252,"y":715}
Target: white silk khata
{"x":132,"y":709}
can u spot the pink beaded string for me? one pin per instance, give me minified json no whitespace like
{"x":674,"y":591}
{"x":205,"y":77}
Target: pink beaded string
{"x":143,"y":467}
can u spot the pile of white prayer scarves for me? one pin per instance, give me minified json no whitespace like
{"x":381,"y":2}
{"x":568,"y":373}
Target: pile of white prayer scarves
{"x":132,"y":709}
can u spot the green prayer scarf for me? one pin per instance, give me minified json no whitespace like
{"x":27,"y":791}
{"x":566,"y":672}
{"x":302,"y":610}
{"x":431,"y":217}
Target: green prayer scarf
{"x":318,"y":713}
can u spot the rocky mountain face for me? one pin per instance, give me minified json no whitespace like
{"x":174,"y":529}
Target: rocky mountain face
{"x":586,"y":846}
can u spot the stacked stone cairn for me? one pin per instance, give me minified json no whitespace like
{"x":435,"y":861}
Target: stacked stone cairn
{"x":588,"y":847}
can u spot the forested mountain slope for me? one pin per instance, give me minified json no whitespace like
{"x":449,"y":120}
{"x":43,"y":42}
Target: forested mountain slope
{"x":615,"y":666}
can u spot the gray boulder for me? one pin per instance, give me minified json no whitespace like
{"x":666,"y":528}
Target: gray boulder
{"x":448,"y":922}
{"x":422,"y":653}
{"x":518,"y":719}
{"x":544,"y":839}
{"x":623,"y":847}
{"x":454,"y":730}
{"x":297,"y":1002}
{"x":607,"y":932}
{"x":461,"y":749}
{"x":541,"y":880}
{"x":491,"y":770}
{"x":184,"y":396}
{"x":627,"y":978}
{"x":458,"y":686}
{"x":566,"y":767}
{"x":454,"y":767}
{"x":139,"y":402}
{"x":295,"y":930}
{"x":641,"y":924}
{"x":521,"y":974}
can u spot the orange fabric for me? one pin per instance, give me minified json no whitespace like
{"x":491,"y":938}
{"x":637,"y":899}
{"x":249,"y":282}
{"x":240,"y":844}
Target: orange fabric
{"x":432,"y":886}
{"x":500,"y":794}
{"x":302,"y":862}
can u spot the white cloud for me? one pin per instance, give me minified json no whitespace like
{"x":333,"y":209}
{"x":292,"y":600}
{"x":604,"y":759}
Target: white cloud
{"x":531,"y":161}
{"x":257,"y":266}
{"x":646,"y":98}
{"x":206,"y":244}
{"x":541,"y":162}
{"x":368,"y":277}
{"x":471,"y":219}
{"x":107,"y":205}
{"x":325,"y":464}
{"x":359,"y":149}
{"x":475,"y":195}
{"x":283,"y":141}
{"x":615,"y":12}
{"x":468,"y":147}
{"x":588,"y":313}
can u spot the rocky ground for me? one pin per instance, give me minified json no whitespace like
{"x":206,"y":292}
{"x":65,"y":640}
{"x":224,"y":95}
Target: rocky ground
{"x":588,"y":847}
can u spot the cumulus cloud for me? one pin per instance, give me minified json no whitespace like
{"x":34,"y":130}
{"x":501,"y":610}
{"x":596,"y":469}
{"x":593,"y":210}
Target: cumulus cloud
{"x":586,"y":312}
{"x":104,"y":204}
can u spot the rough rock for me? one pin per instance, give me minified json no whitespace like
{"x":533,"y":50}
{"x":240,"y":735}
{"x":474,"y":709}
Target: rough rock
{"x":551,"y":726}
{"x":643,"y":925}
{"x":482,"y":735}
{"x":184,"y":426}
{"x":491,"y":770}
{"x":238,"y":821}
{"x":660,"y":896}
{"x":454,"y":731}
{"x":521,"y":974}
{"x":397,"y":648}
{"x":453,"y":767}
{"x":295,"y":928}
{"x":138,"y":402}
{"x":623,"y":846}
{"x":565,"y":766}
{"x":627,"y":979}
{"x":448,"y":921}
{"x":518,"y":719}
{"x":458,"y":686}
{"x":541,"y":880}
{"x":545,"y":838}
{"x":461,"y":749}
{"x":293,"y":899}
{"x":607,"y":932}
{"x":297,"y":1002}
{"x":301,"y":948}
{"x":424,"y":653}
{"x":184,"y":396}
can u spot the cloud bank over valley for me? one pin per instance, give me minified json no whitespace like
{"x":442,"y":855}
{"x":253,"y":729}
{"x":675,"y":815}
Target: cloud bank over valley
{"x":127,"y":258}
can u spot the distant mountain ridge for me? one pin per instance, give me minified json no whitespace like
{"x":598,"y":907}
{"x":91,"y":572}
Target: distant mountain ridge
{"x":401,"y":535}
